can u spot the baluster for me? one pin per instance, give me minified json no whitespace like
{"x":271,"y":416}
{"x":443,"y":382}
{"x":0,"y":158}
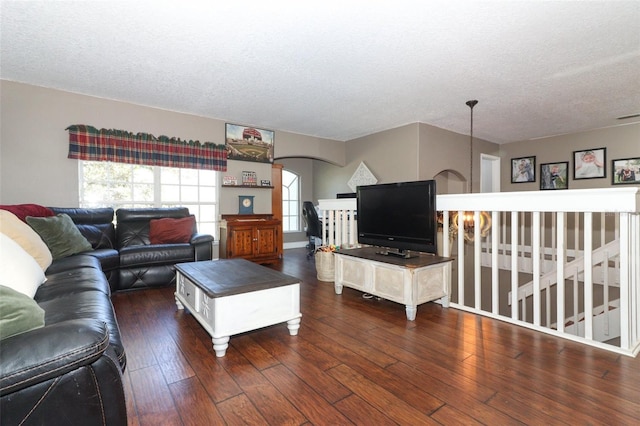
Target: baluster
{"x":605,"y":289}
{"x":495,"y":267}
{"x":460,"y":236}
{"x":561,"y":255}
{"x":535,"y":257}
{"x":514,"y":266}
{"x":477,"y":277}
{"x":548,"y":302}
{"x":588,"y":275}
{"x":575,"y":301}
{"x":627,"y":313}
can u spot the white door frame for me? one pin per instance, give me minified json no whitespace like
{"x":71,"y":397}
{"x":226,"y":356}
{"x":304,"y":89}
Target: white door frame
{"x":489,"y":173}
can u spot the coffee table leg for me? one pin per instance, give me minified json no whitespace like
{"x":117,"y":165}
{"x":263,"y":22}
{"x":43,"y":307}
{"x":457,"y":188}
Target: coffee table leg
{"x":293,"y":326}
{"x":220,"y":345}
{"x":178,"y":302}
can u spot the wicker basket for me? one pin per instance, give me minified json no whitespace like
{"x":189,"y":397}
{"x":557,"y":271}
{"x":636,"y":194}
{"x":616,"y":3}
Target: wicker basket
{"x":324,"y":265}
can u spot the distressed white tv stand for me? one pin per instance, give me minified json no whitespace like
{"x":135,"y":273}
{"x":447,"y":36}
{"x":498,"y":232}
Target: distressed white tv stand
{"x":412,"y":281}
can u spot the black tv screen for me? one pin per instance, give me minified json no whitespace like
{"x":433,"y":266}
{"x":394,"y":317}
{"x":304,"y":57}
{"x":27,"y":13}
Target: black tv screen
{"x":398,"y":215}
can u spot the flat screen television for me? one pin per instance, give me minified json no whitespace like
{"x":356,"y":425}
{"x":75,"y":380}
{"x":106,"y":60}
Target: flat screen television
{"x":400,"y":216}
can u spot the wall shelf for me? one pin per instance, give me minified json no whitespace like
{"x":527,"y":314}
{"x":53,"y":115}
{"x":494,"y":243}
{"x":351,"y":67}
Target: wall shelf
{"x":248,"y":186}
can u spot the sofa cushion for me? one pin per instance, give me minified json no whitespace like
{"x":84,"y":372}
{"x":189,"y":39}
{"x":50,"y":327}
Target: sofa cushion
{"x":133,"y":224}
{"x":85,"y":305}
{"x":84,"y":260}
{"x":109,"y":258}
{"x":18,"y":270}
{"x":26,"y":237}
{"x":100,"y":235}
{"x":60,"y":234}
{"x":95,"y":224}
{"x":72,"y":281}
{"x":24,"y":210}
{"x":160,"y":254}
{"x":171,"y":231}
{"x":18,"y":313}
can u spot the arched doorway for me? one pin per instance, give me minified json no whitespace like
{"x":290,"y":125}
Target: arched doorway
{"x":450,"y":182}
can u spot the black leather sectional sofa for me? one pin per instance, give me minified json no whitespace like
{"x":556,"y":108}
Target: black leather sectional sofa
{"x":125,"y":251}
{"x":70,"y":371}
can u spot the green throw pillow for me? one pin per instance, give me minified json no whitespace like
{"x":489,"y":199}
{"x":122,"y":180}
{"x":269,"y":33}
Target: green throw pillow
{"x":18,"y":313}
{"x":60,"y":234}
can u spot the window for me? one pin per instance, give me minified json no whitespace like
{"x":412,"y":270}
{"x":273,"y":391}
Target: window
{"x":290,"y":201}
{"x":108,"y":184}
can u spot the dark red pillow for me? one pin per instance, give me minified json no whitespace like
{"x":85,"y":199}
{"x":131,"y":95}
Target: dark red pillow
{"x":171,"y":231}
{"x":24,"y":210}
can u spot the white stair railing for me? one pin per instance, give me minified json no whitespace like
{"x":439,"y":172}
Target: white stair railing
{"x":339,"y":222}
{"x":538,"y":234}
{"x":543,"y":234}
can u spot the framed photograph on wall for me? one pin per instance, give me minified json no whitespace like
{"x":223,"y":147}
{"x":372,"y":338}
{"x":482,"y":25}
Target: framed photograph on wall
{"x":625,"y":171}
{"x":248,"y":143}
{"x":554,"y":175}
{"x":590,"y":163}
{"x":523,"y":169}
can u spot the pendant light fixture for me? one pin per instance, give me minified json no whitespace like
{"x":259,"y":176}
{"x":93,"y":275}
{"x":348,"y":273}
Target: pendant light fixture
{"x":468,"y":218}
{"x":471,"y":104}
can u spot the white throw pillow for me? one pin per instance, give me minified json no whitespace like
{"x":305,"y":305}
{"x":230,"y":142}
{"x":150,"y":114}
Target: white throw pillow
{"x":18,"y":270}
{"x":28,"y":239}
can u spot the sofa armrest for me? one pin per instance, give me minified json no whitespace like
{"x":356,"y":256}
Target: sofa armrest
{"x":50,"y":351}
{"x":203,"y":245}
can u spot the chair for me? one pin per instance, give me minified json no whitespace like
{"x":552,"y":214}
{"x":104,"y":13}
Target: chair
{"x":314,"y":228}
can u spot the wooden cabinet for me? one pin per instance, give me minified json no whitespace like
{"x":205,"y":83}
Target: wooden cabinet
{"x":253,"y":237}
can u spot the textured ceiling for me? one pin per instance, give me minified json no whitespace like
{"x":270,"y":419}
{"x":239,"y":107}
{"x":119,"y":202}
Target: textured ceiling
{"x":341,"y":69}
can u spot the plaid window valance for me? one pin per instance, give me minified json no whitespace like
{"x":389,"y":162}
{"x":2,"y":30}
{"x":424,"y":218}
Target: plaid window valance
{"x":89,"y":143}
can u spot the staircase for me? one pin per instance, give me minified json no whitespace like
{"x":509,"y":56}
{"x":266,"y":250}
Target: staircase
{"x":605,"y":274}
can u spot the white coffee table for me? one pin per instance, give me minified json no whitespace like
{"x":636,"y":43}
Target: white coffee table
{"x":233,"y":296}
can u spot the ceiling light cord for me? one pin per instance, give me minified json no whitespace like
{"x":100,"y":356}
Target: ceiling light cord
{"x":471,"y":104}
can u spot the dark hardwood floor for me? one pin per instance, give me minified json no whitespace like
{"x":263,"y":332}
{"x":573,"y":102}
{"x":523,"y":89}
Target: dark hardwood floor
{"x":359,"y":361}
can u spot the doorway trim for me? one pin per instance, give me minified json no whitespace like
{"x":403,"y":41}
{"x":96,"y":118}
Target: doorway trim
{"x":489,"y":173}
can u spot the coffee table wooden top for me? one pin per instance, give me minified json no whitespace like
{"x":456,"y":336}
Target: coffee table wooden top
{"x":225,"y":277}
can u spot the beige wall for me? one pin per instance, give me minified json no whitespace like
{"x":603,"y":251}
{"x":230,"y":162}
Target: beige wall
{"x":229,"y":197}
{"x":620,"y":142}
{"x":413,"y":152}
{"x":34,"y":165}
{"x":391,"y":156}
{"x":293,"y":145}
{"x":33,"y":142}
{"x":445,"y":151}
{"x":304,"y":167}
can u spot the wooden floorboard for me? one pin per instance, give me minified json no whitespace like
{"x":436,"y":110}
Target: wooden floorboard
{"x":359,"y":361}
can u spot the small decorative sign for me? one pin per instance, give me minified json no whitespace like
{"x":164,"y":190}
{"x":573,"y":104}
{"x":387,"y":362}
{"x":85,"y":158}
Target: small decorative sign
{"x":265,"y":182}
{"x":249,"y":178}
{"x":229,"y":180}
